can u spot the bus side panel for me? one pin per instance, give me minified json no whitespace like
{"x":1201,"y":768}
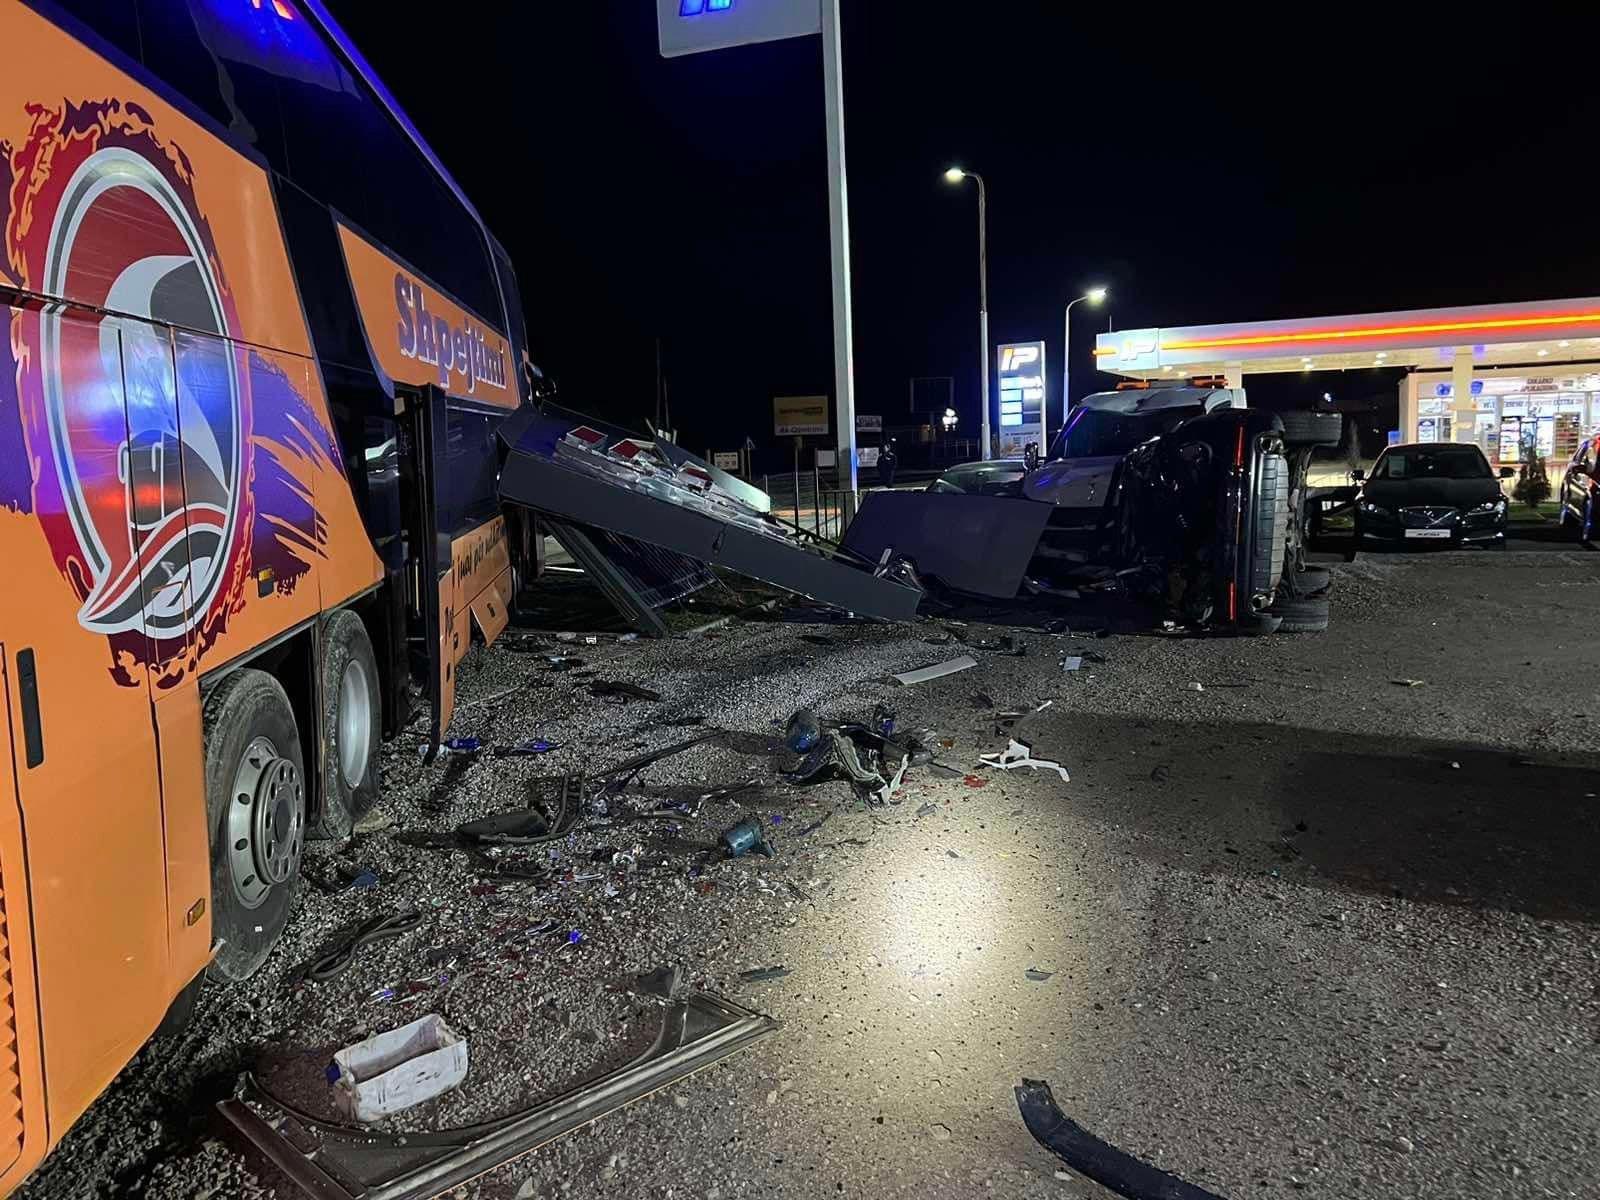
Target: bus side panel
{"x":90,"y":800}
{"x":181,"y":742}
{"x":24,"y":1135}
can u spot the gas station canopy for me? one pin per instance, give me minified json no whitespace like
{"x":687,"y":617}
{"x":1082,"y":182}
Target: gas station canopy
{"x":1486,"y":335}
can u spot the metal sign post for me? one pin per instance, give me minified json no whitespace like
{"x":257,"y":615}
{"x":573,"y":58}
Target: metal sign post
{"x":690,"y":26}
{"x":844,"y":388}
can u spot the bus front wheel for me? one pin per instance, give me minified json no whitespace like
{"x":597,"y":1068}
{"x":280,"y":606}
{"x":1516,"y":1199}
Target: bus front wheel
{"x":256,"y":809}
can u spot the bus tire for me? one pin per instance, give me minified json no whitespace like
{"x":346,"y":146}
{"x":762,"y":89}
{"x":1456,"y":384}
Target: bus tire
{"x":352,"y":713}
{"x":256,"y":810}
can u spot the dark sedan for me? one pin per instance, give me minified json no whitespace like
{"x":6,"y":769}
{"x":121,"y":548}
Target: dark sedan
{"x":1436,"y":493}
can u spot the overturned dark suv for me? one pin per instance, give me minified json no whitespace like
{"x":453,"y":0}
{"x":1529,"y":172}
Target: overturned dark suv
{"x":1180,"y":502}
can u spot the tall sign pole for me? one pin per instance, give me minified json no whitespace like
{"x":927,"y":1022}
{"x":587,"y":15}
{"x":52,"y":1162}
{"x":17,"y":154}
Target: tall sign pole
{"x":691,"y":26}
{"x":844,"y":387}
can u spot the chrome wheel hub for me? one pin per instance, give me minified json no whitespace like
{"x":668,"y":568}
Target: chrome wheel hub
{"x":266,"y":818}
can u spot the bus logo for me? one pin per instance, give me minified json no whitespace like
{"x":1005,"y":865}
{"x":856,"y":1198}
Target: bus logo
{"x":136,"y":399}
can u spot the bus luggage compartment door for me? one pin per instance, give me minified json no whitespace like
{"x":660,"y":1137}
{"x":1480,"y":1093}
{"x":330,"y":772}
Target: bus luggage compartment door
{"x":22,"y":1125}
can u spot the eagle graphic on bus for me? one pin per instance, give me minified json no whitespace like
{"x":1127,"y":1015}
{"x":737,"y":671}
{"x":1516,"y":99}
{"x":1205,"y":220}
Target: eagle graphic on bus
{"x":136,"y":399}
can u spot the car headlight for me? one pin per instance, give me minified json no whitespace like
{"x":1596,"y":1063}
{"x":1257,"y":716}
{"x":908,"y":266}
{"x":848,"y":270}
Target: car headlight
{"x":1497,"y":505}
{"x":1375,"y":510}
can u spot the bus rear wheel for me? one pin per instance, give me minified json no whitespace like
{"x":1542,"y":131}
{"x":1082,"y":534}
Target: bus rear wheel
{"x":256,"y":810}
{"x":351,"y":725}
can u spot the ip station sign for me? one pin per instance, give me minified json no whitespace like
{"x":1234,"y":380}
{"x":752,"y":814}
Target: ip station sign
{"x":1021,"y":397}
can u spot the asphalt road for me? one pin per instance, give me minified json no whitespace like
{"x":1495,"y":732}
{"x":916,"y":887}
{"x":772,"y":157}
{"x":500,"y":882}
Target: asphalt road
{"x":1310,"y":931}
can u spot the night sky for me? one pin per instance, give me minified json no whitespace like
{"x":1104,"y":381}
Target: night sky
{"x":1204,"y":167}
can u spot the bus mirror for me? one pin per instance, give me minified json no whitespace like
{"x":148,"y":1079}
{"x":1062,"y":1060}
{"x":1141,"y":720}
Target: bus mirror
{"x":1507,"y":472}
{"x":1357,"y":474}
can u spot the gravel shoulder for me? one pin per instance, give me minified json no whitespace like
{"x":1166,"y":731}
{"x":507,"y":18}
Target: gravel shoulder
{"x":1309,"y":931}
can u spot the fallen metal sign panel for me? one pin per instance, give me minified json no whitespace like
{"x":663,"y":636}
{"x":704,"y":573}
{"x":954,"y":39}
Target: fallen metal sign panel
{"x":636,"y":578}
{"x":977,"y":544}
{"x":329,"y":1161}
{"x":1088,"y":1155}
{"x":575,"y":475}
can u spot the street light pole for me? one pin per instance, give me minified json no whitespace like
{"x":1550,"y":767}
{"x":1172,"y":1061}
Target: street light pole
{"x":956,"y":175}
{"x":1094,"y":296}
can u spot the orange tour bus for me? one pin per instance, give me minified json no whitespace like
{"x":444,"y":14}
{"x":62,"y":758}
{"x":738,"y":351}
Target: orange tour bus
{"x":257,"y":347}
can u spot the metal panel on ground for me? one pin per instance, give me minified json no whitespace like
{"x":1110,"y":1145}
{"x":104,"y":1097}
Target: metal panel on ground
{"x":977,"y":544}
{"x":585,"y":476}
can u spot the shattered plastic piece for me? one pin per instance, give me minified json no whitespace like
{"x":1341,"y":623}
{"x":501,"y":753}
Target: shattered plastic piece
{"x":744,"y":837}
{"x":926,"y":809}
{"x":1020,"y":754}
{"x":1091,"y":1157}
{"x":329,"y":1161}
{"x":803,"y":731}
{"x":364,"y":879}
{"x":1197,"y":687}
{"x":937,"y":671}
{"x":508,"y":828}
{"x":1035,"y":975}
{"x":1072,"y":662}
{"x":1408,"y":682}
{"x":883,"y":720}
{"x":763,"y":974}
{"x":390,"y":1072}
{"x":833,"y":756}
{"x":982,"y":700}
{"x":574,"y":937}
{"x":526,"y":748}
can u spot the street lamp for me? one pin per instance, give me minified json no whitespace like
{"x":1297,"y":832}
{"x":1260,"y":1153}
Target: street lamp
{"x":956,"y":175}
{"x":1095,"y":295}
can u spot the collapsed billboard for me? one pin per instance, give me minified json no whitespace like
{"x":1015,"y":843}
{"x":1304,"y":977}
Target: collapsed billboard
{"x":583,"y":478}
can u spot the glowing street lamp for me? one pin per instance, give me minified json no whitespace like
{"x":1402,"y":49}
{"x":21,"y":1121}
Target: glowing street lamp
{"x":1095,"y":296}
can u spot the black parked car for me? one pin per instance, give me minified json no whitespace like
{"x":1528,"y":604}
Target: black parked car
{"x":1432,"y":493}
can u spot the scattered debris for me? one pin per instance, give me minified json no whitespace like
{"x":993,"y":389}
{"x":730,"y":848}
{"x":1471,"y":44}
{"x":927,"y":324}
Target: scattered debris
{"x":390,"y":1072}
{"x":927,"y":809}
{"x":1035,"y":975}
{"x":519,"y":826}
{"x":1093,"y":1158}
{"x":1072,"y":662}
{"x":744,"y":837}
{"x":696,"y":1031}
{"x":941,"y":1133}
{"x":1160,"y":773}
{"x":937,"y":671}
{"x":764,"y":974}
{"x":526,"y":749}
{"x":982,"y":700}
{"x":337,"y":961}
{"x":974,"y":781}
{"x":1020,"y":754}
{"x":803,"y":731}
{"x":1409,"y":683}
{"x":1197,"y":687}
{"x":620,"y":691}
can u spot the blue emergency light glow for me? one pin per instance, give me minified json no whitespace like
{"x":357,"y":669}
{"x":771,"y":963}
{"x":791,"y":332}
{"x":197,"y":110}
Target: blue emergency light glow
{"x":694,"y":8}
{"x":718,"y":5}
